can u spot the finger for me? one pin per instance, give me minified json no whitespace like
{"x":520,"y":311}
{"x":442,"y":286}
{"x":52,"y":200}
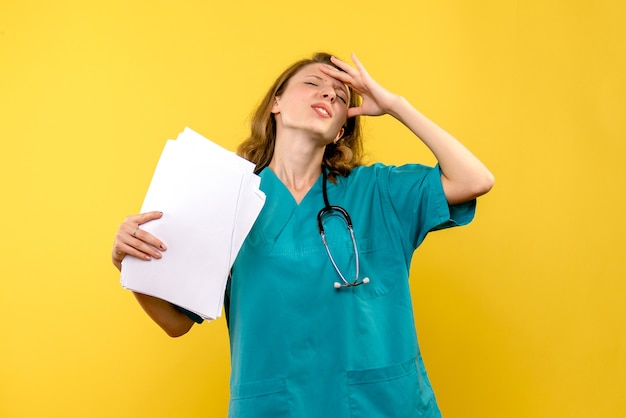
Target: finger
{"x":337,"y":74}
{"x":146,"y":237}
{"x":355,"y":111}
{"x":355,"y":83}
{"x":136,"y":245}
{"x":143,"y":252}
{"x":134,"y":221}
{"x":356,"y":61}
{"x":142,"y":218}
{"x":360,"y":67}
{"x":343,"y":65}
{"x":130,"y":230}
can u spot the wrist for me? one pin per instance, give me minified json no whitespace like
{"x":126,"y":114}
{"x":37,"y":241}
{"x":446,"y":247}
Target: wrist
{"x":398,"y":106}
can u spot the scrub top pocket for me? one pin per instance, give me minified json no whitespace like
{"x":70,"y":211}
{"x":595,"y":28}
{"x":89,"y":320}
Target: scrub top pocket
{"x":392,"y":391}
{"x":267,"y":398}
{"x":372,"y":254}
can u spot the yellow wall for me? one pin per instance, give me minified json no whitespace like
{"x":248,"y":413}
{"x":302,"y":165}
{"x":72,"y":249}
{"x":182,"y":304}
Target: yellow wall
{"x":520,"y":314}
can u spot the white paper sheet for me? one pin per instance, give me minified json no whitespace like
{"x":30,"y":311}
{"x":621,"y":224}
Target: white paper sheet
{"x":210,"y":199}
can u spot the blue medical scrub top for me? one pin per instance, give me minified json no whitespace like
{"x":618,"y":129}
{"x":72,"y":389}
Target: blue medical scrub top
{"x":300,"y":347}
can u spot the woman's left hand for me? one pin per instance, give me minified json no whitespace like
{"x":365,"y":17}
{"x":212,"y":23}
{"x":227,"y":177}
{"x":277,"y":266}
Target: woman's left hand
{"x":376,"y":99}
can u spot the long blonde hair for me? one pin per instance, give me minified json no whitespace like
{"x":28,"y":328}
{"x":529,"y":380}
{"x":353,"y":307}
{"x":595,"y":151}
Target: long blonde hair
{"x":339,"y":158}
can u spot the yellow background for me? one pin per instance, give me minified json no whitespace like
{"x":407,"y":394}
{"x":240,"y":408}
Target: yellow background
{"x":520,"y":314}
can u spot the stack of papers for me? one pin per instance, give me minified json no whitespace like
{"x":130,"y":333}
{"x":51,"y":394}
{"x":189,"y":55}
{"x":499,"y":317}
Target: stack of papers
{"x":210,"y":199}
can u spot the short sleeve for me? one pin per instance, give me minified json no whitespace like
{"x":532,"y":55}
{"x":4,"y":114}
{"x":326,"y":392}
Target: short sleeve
{"x":416,"y":194}
{"x":194,"y":317}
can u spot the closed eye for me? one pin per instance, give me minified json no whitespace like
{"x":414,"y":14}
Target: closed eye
{"x":339,"y":93}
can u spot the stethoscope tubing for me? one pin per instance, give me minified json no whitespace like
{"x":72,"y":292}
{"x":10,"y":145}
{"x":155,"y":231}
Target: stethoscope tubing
{"x":327,"y":210}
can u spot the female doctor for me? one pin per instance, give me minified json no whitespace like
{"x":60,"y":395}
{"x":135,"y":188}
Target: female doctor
{"x":318,"y":304}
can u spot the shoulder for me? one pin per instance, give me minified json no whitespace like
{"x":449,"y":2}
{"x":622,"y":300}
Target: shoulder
{"x":369,"y":171}
{"x":384,"y":173}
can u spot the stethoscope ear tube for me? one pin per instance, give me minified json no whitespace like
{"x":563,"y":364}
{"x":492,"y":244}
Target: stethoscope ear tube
{"x":328,"y":210}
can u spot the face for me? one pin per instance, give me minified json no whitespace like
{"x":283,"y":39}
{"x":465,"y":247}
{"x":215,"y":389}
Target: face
{"x":314,"y":103}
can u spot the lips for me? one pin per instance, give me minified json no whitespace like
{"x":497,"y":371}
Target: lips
{"x":322,"y":109}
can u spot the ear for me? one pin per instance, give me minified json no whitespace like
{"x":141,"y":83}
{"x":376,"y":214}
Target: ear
{"x":339,"y":135}
{"x":275,"y":109}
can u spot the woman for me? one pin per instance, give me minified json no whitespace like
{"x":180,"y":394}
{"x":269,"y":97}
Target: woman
{"x":324,"y":327}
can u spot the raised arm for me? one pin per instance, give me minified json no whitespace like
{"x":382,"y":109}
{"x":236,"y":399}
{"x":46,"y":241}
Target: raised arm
{"x":131,"y":240}
{"x":463,"y":177}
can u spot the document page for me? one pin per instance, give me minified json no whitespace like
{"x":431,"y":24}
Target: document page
{"x":210,"y":198}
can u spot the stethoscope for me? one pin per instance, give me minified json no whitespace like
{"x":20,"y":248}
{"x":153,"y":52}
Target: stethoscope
{"x":327,"y":210}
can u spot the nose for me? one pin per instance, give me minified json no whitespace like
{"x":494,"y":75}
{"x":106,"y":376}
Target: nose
{"x":329,"y":93}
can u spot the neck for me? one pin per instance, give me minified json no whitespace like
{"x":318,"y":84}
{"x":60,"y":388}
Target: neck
{"x":297,"y":164}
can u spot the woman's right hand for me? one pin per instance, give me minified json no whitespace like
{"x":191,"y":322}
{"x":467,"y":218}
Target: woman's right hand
{"x":134,"y":241}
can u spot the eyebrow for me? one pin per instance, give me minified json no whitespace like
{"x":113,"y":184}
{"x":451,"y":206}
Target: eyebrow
{"x":337,"y":82}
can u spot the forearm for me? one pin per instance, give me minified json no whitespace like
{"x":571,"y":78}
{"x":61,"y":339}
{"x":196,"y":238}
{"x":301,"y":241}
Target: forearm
{"x":170,"y":319}
{"x":464,"y":176}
